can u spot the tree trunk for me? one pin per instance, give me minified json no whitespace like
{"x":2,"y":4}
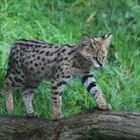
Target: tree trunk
{"x":92,"y":124}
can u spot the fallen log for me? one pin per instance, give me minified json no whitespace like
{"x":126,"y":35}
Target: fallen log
{"x":92,"y":124}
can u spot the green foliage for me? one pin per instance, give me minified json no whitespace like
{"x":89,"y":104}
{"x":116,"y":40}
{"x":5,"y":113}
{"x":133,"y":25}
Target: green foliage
{"x":63,"y":22}
{"x":93,"y":134}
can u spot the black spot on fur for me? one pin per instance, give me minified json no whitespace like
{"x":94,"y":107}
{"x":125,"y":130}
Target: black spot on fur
{"x":57,"y":76}
{"x":31,"y":62}
{"x":62,"y":72}
{"x":43,"y":59}
{"x":47,"y":53}
{"x":54,"y":87}
{"x":71,"y":52}
{"x":12,"y":81}
{"x":63,"y":50}
{"x":85,"y":77}
{"x":37,"y":51}
{"x":92,"y":84}
{"x":65,"y":58}
{"x":62,"y":83}
{"x":22,"y":76}
{"x":54,"y":98}
{"x":16,"y":61}
{"x":68,"y":76}
{"x":42,"y":68}
{"x":18,"y":80}
{"x":55,"y":93}
{"x":36,"y":64}
{"x":54,"y":60}
{"x":41,"y":52}
{"x":49,"y":61}
{"x":7,"y":83}
{"x":38,"y":57}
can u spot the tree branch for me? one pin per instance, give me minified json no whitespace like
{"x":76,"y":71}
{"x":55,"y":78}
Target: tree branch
{"x":94,"y":124}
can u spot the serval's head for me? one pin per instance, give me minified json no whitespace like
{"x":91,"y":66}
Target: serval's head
{"x":95,"y":49}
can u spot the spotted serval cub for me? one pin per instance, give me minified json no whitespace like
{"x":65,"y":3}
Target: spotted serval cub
{"x":32,"y":61}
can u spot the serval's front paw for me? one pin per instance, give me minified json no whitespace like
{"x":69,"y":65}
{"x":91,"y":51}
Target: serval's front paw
{"x":104,"y":107}
{"x":33,"y":115}
{"x":58,"y":116}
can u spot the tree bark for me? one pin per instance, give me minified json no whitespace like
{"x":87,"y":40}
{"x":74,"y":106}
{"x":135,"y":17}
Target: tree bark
{"x":92,"y":124}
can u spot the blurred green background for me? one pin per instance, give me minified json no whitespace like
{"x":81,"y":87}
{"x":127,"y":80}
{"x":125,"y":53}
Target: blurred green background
{"x":64,"y":21}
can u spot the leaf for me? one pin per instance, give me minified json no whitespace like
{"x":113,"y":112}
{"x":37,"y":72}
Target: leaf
{"x":91,"y":17}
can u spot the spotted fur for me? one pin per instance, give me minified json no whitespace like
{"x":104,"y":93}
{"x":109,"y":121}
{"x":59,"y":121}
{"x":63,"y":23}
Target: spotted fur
{"x":32,"y":61}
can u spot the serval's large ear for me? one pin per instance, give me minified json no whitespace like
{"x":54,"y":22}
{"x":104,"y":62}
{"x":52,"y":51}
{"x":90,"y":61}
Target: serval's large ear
{"x":85,"y":41}
{"x":106,"y":40}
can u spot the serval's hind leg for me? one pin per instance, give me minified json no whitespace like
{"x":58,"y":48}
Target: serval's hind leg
{"x":11,"y":81}
{"x":8,"y":95}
